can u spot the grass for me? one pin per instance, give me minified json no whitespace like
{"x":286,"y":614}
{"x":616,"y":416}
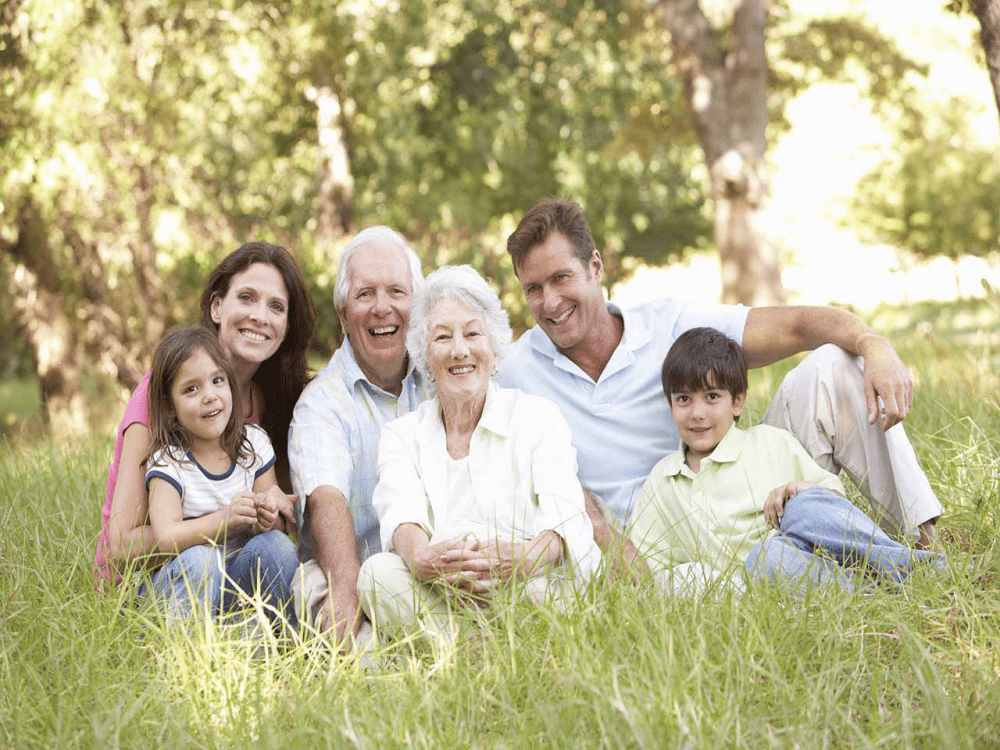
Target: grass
{"x":622,"y":667}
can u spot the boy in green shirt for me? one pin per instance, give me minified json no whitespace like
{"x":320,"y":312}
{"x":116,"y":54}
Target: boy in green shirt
{"x":754,"y":497}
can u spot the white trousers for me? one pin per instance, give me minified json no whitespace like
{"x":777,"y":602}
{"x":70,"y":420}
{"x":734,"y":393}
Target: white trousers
{"x":822,"y":403}
{"x":398,"y":605}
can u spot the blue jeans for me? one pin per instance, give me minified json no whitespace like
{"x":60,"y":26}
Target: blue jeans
{"x":266,"y":565}
{"x":817,"y":518}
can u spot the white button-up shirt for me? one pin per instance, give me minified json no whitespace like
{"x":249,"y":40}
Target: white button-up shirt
{"x":523,"y":469}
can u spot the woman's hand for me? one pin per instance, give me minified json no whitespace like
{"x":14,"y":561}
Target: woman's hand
{"x":286,"y":507}
{"x":523,"y":560}
{"x":458,"y":563}
{"x":268,"y":507}
{"x":774,"y":505}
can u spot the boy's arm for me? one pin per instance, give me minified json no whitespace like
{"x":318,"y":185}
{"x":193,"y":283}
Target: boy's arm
{"x":774,"y":505}
{"x":173,"y":533}
{"x":805,"y":473}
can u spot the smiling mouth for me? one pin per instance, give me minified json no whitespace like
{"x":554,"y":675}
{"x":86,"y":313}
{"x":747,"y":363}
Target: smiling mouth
{"x":562,"y":318}
{"x":257,"y":338}
{"x":383,"y":330}
{"x":212,"y":414}
{"x":461,"y":369}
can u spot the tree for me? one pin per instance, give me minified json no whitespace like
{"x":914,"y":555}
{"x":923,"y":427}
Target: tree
{"x":936,"y":194}
{"x":727,"y":78}
{"x":988,"y":13}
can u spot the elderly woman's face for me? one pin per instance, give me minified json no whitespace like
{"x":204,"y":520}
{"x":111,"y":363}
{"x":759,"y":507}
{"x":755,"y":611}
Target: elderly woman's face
{"x":459,"y":353}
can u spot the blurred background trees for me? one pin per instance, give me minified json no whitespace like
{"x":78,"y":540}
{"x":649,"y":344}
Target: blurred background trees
{"x":142,"y":141}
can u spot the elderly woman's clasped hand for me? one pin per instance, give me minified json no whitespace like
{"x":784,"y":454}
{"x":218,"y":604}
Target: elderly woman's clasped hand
{"x":471,"y":569}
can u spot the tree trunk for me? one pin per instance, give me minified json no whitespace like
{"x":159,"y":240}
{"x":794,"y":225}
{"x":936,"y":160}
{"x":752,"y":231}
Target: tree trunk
{"x":92,"y":338}
{"x":336,"y":186}
{"x":988,"y":13}
{"x":725,"y":77}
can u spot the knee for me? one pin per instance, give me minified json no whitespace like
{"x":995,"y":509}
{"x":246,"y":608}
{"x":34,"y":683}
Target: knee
{"x":275,"y":546}
{"x":199,"y":562}
{"x":383,"y":575}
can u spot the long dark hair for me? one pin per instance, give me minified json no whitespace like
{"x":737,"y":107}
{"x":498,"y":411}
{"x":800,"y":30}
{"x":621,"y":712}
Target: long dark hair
{"x":166,"y":431}
{"x":281,"y":378}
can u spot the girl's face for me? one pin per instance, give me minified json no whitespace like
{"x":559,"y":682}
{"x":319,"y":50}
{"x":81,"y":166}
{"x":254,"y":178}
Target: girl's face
{"x":253,"y":316}
{"x":202,"y":399}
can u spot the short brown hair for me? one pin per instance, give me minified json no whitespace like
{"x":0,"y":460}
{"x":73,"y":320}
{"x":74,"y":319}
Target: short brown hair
{"x":552,"y":215}
{"x":173,"y":351}
{"x":702,"y":352}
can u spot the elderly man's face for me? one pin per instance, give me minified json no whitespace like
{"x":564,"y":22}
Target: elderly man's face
{"x":377,"y":313}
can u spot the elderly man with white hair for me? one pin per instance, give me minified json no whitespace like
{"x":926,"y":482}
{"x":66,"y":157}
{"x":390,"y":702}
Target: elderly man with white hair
{"x":333,"y":439}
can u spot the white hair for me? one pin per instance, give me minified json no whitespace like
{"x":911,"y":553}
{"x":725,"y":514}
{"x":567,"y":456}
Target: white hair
{"x":462,"y":284}
{"x":380,"y":236}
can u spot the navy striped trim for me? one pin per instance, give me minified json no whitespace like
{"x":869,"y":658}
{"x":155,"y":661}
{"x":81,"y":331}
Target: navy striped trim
{"x":263,"y":469}
{"x":165,"y":477}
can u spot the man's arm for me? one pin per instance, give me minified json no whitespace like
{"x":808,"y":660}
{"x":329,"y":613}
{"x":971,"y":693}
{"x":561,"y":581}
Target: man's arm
{"x":336,"y":553}
{"x":625,"y":558}
{"x":773,"y":333}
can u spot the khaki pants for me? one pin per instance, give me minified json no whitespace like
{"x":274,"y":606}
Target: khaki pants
{"x":309,"y":590}
{"x":398,"y":605}
{"x":822,"y":403}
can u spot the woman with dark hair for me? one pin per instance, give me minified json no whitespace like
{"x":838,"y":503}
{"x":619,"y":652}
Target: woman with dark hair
{"x":257,"y":302}
{"x":277,"y":381}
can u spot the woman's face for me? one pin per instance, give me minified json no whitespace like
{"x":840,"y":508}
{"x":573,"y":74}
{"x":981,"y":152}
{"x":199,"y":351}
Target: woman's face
{"x":459,"y":354}
{"x":253,"y":316}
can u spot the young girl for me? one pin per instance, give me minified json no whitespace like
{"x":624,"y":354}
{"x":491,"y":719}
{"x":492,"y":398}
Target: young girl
{"x":213,"y":495}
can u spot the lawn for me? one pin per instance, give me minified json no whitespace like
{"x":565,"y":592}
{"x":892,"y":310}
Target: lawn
{"x":620,"y":667}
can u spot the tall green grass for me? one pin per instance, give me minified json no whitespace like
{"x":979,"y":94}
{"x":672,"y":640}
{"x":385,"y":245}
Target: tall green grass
{"x":621,"y":667}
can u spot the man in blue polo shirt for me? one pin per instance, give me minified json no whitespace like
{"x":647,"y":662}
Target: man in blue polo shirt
{"x":601,"y":364}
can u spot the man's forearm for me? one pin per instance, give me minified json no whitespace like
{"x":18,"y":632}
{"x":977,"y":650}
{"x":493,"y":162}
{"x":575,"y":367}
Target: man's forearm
{"x":774,"y":333}
{"x":332,"y":530}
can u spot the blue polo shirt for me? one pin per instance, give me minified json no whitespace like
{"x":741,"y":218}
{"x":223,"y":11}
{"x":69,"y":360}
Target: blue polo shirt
{"x":621,"y":424}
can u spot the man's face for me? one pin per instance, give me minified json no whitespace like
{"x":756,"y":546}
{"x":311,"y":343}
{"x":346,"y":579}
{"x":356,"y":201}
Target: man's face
{"x":563,"y":294}
{"x":377,"y":312}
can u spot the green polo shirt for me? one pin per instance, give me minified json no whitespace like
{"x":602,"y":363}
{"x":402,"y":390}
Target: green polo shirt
{"x":716,"y":516}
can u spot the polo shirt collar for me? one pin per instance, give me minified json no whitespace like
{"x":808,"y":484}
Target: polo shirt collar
{"x":353,"y":373}
{"x":635,"y":335}
{"x":727,"y":451}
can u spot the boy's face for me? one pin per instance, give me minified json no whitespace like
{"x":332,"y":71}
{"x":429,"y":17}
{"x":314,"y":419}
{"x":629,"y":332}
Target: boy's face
{"x":704,"y":417}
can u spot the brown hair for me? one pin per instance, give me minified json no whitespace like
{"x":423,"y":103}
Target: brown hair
{"x":282,"y":377}
{"x":552,"y":215}
{"x":166,"y":431}
{"x":703,"y":358}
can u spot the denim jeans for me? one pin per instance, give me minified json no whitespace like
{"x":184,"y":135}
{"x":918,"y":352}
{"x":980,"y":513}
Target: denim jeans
{"x":817,"y":518}
{"x":266,"y":565}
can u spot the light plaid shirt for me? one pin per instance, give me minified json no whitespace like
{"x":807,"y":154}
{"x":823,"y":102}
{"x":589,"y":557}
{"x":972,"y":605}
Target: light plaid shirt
{"x":333,"y":440}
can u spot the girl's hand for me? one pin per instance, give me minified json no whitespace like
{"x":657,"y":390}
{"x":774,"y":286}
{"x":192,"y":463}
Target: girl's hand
{"x":774,"y":505}
{"x":241,"y":511}
{"x":268,"y":506}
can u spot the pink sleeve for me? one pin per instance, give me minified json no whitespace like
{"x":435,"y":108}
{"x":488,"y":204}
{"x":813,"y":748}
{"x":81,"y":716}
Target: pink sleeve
{"x":136,"y":412}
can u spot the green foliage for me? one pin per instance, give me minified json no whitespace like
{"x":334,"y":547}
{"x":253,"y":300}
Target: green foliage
{"x":620,"y":667}
{"x":937,"y":193}
{"x":839,"y":48}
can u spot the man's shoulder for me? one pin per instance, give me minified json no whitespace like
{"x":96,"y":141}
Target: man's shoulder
{"x":329,"y":382}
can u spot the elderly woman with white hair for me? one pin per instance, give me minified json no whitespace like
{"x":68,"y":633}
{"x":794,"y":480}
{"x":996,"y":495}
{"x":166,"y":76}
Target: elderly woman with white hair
{"x":478,"y":487}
